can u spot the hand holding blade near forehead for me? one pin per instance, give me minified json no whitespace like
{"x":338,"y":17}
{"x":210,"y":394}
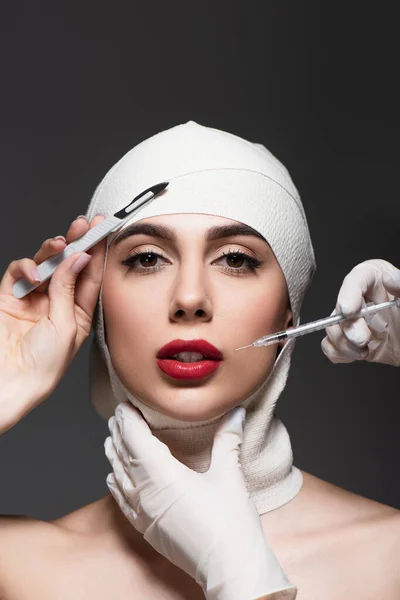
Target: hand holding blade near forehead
{"x":204,"y":523}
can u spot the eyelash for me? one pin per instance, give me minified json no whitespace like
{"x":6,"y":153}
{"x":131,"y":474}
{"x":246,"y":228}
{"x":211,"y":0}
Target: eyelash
{"x":252,"y":262}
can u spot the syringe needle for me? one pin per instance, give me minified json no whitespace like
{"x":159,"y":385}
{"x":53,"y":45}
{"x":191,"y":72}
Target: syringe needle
{"x":293,"y":332}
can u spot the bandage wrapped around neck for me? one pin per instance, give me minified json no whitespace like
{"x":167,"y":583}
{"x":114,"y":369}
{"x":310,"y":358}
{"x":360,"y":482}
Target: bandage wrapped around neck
{"x":216,"y":173}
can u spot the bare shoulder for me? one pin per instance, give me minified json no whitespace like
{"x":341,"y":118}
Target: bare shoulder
{"x":21,"y":532}
{"x":372,"y":548}
{"x":18,"y":523}
{"x":23,"y":543}
{"x":359,"y":537}
{"x":85,"y":554}
{"x":52,"y":559}
{"x":385,"y":530}
{"x":41,"y":559}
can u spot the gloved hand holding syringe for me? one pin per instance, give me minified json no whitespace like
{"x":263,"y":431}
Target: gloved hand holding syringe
{"x":274,"y":338}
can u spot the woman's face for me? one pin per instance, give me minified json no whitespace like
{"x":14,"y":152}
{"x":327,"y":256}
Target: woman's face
{"x":184,"y":277}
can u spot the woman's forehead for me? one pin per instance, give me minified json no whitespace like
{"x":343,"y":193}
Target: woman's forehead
{"x":173,"y":226}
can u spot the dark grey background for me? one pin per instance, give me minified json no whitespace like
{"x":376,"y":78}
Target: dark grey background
{"x":81,"y":83}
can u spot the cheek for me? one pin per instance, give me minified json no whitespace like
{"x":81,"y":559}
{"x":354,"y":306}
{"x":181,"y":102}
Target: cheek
{"x":129,"y":312}
{"x":257,"y":310}
{"x":251,"y":312}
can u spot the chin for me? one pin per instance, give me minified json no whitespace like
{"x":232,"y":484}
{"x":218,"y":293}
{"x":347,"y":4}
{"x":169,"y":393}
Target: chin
{"x":190,"y":409}
{"x":193,"y":414}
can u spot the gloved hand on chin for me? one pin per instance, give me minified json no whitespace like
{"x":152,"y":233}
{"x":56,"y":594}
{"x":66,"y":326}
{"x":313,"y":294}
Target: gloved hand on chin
{"x":204,"y":523}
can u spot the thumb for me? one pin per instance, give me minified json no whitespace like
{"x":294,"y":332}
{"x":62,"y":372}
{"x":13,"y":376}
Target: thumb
{"x":62,"y":291}
{"x":227,"y":439}
{"x":392,"y":282}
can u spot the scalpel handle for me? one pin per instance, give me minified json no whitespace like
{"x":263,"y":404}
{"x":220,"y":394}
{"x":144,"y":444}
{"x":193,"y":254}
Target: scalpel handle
{"x":22,"y":287}
{"x":46,"y":269}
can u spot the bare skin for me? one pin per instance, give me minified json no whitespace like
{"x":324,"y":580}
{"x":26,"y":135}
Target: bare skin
{"x":333,"y":544}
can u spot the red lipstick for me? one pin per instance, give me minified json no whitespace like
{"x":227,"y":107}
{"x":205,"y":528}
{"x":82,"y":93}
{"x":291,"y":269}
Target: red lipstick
{"x":170,"y":365}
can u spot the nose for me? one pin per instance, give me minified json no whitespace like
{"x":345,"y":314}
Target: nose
{"x":190,"y":300}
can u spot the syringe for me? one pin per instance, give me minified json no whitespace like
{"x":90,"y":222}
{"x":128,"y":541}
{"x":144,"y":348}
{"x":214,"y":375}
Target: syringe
{"x":274,"y":338}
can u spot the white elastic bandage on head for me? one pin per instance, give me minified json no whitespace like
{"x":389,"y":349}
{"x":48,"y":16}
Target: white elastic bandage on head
{"x":216,"y":173}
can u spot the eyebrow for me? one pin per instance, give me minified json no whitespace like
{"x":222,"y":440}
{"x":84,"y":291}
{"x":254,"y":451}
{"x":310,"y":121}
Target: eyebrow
{"x":165,"y":233}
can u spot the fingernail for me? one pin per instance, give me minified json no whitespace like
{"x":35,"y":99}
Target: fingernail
{"x":80,"y":263}
{"x":81,"y":217}
{"x":59,"y":237}
{"x":36,"y":275}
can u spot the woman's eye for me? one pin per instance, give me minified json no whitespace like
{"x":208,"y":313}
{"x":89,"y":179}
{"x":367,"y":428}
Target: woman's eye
{"x":143,"y":261}
{"x":236,"y":262}
{"x":236,"y":259}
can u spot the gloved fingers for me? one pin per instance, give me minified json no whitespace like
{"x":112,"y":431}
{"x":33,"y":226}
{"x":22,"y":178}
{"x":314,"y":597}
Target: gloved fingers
{"x":370,"y":327}
{"x":344,"y":346}
{"x":360,"y":281}
{"x":138,"y":470}
{"x":133,"y":428}
{"x":349,"y":336}
{"x":380,"y":271}
{"x":334,"y":333}
{"x":363,"y":284}
{"x":132,"y":475}
{"x":227,"y":440}
{"x":149,"y":459}
{"x":120,"y":499}
{"x":123,"y":490}
{"x":118,"y":442}
{"x":376,"y":295}
{"x":338,"y":356}
{"x":127,"y":498}
{"x":121,"y":476}
{"x":356,"y":332}
{"x":137,"y":435}
{"x":392,"y":282}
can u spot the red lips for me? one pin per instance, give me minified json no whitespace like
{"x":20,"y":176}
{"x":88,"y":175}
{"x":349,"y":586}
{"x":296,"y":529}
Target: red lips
{"x":196,"y":370}
{"x":176,"y":346}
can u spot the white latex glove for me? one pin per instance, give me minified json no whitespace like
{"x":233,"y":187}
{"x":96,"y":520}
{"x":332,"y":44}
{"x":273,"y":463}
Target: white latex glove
{"x":375,"y":338}
{"x":204,"y":523}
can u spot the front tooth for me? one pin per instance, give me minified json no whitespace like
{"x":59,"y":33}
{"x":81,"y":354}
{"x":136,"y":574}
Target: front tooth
{"x":189,"y":356}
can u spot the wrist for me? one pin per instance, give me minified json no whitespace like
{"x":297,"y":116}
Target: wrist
{"x":250,"y":572}
{"x":239,"y":592}
{"x":17,"y":398}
